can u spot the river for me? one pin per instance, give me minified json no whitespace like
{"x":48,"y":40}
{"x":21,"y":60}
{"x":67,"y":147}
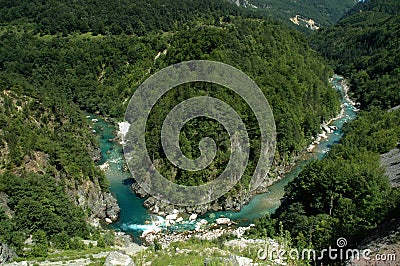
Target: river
{"x":134,"y":218}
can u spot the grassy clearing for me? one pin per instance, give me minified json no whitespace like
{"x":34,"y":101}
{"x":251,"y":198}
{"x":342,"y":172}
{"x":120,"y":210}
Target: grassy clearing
{"x":68,"y":255}
{"x":192,"y":252}
{"x":76,"y":254}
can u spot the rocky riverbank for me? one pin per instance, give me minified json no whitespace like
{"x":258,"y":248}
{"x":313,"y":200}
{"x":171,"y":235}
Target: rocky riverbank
{"x":327,"y":127}
{"x":89,"y":196}
{"x":117,"y":172}
{"x":161,"y":208}
{"x":203,"y":231}
{"x":346,"y":88}
{"x":102,"y":205}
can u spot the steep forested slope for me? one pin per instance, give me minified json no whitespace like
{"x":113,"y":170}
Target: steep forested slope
{"x":99,"y":74}
{"x":141,"y":17}
{"x":46,"y":154}
{"x":113,"y":17}
{"x":365,"y":46}
{"x":346,"y":194}
{"x":324,"y":12}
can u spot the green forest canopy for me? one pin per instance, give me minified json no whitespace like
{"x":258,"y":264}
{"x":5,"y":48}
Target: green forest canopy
{"x":324,"y":12}
{"x":365,"y":47}
{"x":101,"y":73}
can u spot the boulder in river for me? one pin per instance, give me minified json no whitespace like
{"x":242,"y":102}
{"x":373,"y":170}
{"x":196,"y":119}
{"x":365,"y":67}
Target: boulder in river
{"x":203,"y":222}
{"x":151,"y":230}
{"x":171,"y":216}
{"x":223,"y":220}
{"x":193,"y":216}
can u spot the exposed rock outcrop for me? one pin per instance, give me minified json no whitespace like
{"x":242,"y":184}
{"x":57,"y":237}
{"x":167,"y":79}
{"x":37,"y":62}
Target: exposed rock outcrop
{"x":391,"y":162}
{"x":89,"y":196}
{"x":307,"y":22}
{"x":4,"y":205}
{"x":6,"y":254}
{"x":94,"y":153}
{"x":116,"y":258}
{"x":228,"y":202}
{"x":37,"y":162}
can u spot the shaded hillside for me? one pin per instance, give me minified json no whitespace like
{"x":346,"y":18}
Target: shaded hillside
{"x":384,"y":241}
{"x":365,"y":46}
{"x":324,"y":12}
{"x":113,"y":17}
{"x":101,"y":73}
{"x":141,"y":17}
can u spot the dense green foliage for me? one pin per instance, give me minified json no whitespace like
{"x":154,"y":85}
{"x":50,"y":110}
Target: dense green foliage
{"x":324,"y":12}
{"x":345,"y":194}
{"x":87,"y":71}
{"x":365,"y":47}
{"x":48,"y":138}
{"x":288,"y":72}
{"x":142,"y":17}
{"x":59,"y":58}
{"x":44,"y":148}
{"x":100,"y":74}
{"x":116,"y":17}
{"x":41,"y":208}
{"x":374,"y":131}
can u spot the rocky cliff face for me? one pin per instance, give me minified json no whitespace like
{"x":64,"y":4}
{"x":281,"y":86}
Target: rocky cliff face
{"x":6,"y":254}
{"x":391,"y":162}
{"x":385,"y":239}
{"x":100,"y":204}
{"x":4,"y":205}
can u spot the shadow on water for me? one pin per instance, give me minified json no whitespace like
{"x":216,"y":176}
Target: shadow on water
{"x":128,"y":182}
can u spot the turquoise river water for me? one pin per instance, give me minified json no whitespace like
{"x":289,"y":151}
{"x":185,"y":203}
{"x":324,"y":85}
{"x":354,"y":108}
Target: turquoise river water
{"x":134,"y":218}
